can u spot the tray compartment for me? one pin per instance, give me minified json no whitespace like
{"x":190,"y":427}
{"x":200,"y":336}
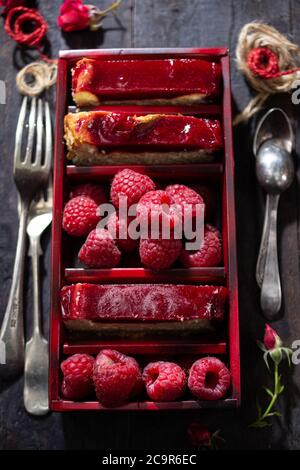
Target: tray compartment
{"x":218,"y":173}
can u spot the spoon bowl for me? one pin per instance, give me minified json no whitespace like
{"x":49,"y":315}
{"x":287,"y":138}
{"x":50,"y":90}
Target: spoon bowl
{"x":274,"y":167}
{"x":274,"y":125}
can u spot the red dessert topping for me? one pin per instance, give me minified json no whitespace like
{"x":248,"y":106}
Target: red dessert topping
{"x":138,"y":79}
{"x":142,"y":302}
{"x":107,"y":130}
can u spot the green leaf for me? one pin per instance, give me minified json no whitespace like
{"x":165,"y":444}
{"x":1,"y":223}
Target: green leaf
{"x":281,"y":388}
{"x":268,"y":391}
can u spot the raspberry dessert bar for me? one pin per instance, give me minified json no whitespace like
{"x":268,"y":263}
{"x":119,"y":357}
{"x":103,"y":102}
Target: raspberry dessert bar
{"x":105,"y":137}
{"x":165,"y":81}
{"x":85,"y":305}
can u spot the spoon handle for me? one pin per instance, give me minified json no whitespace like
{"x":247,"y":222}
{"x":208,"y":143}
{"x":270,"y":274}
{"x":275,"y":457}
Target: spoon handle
{"x":261,"y":259}
{"x":270,"y":298}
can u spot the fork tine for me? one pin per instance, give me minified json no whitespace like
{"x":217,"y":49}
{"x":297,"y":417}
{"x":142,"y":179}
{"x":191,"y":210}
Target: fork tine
{"x":39,"y":136}
{"x":29,"y":148}
{"x":19,"y":132}
{"x":48,"y":143}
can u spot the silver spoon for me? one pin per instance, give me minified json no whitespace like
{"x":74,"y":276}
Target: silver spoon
{"x":273,"y":125}
{"x":275,"y":172}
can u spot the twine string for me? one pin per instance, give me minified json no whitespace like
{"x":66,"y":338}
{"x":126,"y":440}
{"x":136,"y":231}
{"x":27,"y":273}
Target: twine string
{"x":43,"y":73}
{"x":269,"y":62}
{"x":14,"y":26}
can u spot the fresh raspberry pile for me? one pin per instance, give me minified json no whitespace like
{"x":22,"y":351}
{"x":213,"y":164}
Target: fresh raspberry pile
{"x":164,"y":381}
{"x":210,"y":252}
{"x":78,"y":372}
{"x":159,"y":254}
{"x":117,"y":227}
{"x":209,"y":379}
{"x":80,"y":216}
{"x":160,"y":214}
{"x":117,"y":378}
{"x":93,"y":191}
{"x":130,"y":184}
{"x":100,"y":250}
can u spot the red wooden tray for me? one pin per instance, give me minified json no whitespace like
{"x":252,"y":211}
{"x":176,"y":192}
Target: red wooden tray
{"x":219,"y":173}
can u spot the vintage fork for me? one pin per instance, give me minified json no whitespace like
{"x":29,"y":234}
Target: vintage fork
{"x":31,"y":173}
{"x":36,"y":349}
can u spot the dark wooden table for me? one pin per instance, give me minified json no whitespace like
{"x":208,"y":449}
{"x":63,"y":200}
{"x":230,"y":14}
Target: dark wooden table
{"x":166,"y":23}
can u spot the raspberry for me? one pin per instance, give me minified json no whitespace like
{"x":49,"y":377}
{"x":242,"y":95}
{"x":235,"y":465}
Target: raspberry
{"x":165,"y":381}
{"x":209,"y":198}
{"x":117,"y":378}
{"x":99,"y":250}
{"x":159,"y":254}
{"x":156,"y":207}
{"x":118,"y":228}
{"x":210,"y":252}
{"x":93,"y":191}
{"x":80,"y":216}
{"x":184,"y":197}
{"x":130,"y":184}
{"x":209,"y":379}
{"x":78,"y":372}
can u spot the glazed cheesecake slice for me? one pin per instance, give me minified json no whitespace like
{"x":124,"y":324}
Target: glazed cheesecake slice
{"x":103,"y":137}
{"x":165,"y":81}
{"x":141,"y":306}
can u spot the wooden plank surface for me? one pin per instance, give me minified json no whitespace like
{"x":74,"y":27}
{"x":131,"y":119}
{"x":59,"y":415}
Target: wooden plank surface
{"x":167,"y":23}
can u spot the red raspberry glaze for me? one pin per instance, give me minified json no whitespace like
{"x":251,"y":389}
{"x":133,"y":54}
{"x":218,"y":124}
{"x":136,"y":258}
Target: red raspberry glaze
{"x":142,"y":302}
